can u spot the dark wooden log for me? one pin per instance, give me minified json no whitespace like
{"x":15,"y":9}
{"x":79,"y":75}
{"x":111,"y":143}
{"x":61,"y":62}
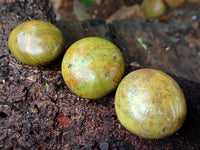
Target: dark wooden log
{"x":160,"y":52}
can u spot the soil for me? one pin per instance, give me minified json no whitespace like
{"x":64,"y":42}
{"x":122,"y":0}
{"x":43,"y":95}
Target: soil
{"x":38,"y":111}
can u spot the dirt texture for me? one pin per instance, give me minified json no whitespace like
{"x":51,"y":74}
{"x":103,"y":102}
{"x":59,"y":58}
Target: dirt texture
{"x":38,"y":111}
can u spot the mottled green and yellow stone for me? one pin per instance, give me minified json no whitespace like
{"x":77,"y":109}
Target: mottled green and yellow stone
{"x":150,"y":104}
{"x":36,"y":42}
{"x":93,"y":67}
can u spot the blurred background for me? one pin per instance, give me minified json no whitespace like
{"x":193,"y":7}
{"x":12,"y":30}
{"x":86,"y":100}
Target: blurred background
{"x":110,"y":10}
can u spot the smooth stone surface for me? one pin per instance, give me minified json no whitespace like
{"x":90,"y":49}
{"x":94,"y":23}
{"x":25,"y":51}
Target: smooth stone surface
{"x":36,"y":42}
{"x":150,"y":104}
{"x":93,"y":67}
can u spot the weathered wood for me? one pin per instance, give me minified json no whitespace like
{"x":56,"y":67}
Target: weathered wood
{"x":75,"y":30}
{"x":161,"y":53}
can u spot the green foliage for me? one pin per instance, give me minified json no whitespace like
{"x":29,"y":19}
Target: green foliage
{"x":47,"y":85}
{"x":79,"y":116}
{"x":87,"y":2}
{"x":142,"y":43}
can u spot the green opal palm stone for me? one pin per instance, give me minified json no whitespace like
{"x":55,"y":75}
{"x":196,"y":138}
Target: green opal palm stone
{"x":36,"y":42}
{"x":93,"y":67}
{"x":150,"y":104}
